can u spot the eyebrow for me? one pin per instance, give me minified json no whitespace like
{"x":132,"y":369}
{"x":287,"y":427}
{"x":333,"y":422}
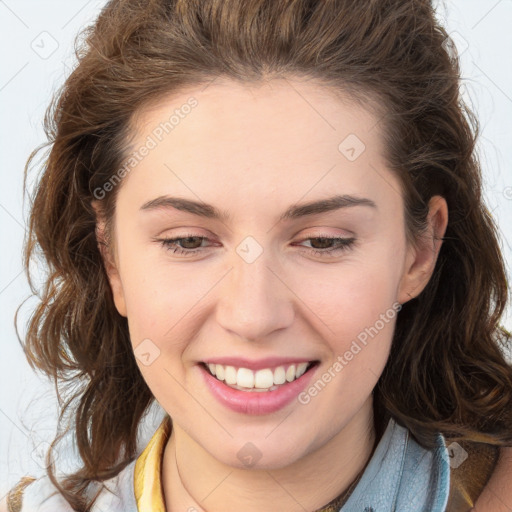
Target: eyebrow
{"x":293,"y":212}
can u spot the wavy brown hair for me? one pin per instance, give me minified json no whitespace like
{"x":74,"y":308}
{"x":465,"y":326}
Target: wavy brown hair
{"x":446,"y":372}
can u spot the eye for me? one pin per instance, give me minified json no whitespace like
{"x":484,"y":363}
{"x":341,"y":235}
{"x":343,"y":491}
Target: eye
{"x":323,"y":246}
{"x":329,"y":246}
{"x":189,"y":242}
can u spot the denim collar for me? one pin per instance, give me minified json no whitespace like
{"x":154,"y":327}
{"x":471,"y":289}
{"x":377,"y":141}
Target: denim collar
{"x":402,"y":476}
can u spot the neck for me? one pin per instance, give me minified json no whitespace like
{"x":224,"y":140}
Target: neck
{"x":193,"y":480}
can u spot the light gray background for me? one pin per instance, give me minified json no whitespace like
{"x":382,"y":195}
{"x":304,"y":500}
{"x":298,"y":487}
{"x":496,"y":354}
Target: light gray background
{"x":37,"y":51}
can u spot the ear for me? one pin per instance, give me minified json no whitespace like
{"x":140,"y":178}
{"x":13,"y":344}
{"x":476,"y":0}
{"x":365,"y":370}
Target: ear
{"x":422,"y":256}
{"x":106,"y":248}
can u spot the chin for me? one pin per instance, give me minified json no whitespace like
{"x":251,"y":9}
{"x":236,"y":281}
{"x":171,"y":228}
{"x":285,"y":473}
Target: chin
{"x":258,"y":455}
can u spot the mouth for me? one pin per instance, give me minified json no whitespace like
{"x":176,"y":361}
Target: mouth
{"x":261,"y":380}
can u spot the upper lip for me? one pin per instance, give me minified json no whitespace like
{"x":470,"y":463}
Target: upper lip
{"x":257,"y":364}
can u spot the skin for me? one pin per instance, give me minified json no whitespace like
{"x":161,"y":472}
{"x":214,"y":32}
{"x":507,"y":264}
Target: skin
{"x":252,"y":152}
{"x":270,"y":150}
{"x":497,"y":495}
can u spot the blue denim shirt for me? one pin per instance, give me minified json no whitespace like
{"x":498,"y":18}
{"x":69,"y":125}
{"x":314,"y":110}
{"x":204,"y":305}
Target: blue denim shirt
{"x":402,"y":476}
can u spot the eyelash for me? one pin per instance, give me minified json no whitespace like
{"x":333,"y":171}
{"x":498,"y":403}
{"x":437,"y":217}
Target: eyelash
{"x":344,"y":245}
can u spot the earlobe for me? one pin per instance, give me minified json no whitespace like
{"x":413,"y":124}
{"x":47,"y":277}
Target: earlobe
{"x":109,"y":263}
{"x":421,"y":258}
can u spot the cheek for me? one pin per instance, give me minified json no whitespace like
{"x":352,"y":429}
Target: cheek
{"x":357,"y":309}
{"x":157,"y":293}
{"x":159,"y":305}
{"x":359,"y":316}
{"x":354,"y":294}
{"x":160,"y":310}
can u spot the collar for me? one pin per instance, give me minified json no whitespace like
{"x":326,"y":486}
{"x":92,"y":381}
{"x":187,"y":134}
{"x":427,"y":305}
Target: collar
{"x":401,"y":475}
{"x":148,"y":468}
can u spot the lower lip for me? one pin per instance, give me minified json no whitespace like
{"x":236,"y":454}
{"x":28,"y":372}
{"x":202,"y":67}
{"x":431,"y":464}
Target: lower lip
{"x":256,"y":402}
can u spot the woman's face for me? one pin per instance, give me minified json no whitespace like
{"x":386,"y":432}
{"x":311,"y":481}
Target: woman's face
{"x":266,"y":176}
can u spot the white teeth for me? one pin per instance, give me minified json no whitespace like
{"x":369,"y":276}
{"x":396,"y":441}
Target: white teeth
{"x":279,"y":375}
{"x":260,"y":380}
{"x":230,"y":375}
{"x":301,"y":368}
{"x":219,"y":371}
{"x":263,"y":379}
{"x":290,"y":373}
{"x":245,"y":378}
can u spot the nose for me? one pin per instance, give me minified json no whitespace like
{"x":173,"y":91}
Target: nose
{"x":254,"y":299}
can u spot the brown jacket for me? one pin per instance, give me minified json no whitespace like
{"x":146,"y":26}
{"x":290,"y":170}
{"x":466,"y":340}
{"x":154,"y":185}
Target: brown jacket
{"x":468,"y":480}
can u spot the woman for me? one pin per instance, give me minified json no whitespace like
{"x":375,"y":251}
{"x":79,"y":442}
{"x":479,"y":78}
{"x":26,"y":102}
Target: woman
{"x":267,"y":216}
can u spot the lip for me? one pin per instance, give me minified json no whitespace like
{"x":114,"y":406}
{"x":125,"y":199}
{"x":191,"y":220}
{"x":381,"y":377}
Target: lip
{"x":256,"y":403}
{"x":257,"y":364}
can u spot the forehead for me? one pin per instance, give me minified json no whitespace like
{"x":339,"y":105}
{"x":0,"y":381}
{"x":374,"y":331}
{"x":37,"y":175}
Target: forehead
{"x":278,"y":138}
{"x":263,"y":115}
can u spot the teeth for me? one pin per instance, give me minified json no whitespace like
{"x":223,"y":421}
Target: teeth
{"x":279,"y":375}
{"x":290,"y":373}
{"x":230,"y":375}
{"x":301,"y":368}
{"x":219,"y":371}
{"x":261,"y":380}
{"x":245,"y":378}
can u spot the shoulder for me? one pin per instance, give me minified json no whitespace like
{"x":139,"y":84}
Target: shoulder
{"x":497,"y":494}
{"x":40,"y":495}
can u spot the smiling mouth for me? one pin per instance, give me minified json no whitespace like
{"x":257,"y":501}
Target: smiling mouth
{"x":265,"y":379}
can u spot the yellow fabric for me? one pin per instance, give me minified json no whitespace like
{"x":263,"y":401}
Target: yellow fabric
{"x":147,"y":484}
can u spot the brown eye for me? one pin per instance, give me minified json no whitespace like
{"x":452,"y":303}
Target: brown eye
{"x":325,"y":243}
{"x":190,"y":242}
{"x":184,"y":245}
{"x":330,"y":246}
